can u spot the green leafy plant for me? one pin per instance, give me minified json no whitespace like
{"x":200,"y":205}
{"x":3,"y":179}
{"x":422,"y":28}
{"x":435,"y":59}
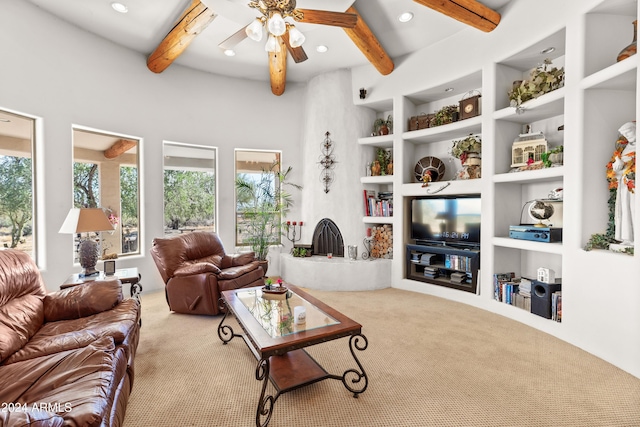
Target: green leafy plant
{"x":543,"y":79}
{"x":264,"y":203}
{"x":470,"y":144}
{"x":383,"y":157}
{"x":299,"y":252}
{"x":546,"y":156}
{"x":444,"y":115}
{"x":383,"y":126}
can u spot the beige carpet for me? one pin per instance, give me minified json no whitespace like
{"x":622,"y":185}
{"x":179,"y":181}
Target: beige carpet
{"x":430,"y":362}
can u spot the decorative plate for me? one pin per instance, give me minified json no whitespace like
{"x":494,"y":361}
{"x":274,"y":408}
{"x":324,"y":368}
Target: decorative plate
{"x":432,"y":165}
{"x":275,"y":290}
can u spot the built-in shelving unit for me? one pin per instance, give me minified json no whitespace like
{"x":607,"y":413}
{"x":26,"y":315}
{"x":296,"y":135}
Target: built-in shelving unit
{"x":599,"y":95}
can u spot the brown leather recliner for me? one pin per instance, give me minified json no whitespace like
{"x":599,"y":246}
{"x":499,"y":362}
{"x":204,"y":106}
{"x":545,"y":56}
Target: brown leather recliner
{"x":195,"y":269}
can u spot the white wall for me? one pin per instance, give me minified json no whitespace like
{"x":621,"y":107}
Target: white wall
{"x":65,"y":76}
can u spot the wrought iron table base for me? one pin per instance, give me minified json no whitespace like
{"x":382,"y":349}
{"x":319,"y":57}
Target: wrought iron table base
{"x":354,"y":380}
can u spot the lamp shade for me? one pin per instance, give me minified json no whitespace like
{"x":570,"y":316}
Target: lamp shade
{"x":85,"y":220}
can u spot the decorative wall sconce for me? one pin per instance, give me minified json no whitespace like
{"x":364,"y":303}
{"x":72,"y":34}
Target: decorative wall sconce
{"x":327,"y":162}
{"x":363,"y":93}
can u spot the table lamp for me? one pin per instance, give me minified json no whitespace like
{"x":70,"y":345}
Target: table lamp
{"x":86,"y":220}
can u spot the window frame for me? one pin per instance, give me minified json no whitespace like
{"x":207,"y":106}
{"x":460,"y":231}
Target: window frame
{"x":278,"y":155}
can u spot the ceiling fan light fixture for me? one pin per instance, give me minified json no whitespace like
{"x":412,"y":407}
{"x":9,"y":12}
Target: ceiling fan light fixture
{"x":296,"y":38}
{"x":272,"y":44}
{"x":276,"y":24}
{"x":254,"y":30}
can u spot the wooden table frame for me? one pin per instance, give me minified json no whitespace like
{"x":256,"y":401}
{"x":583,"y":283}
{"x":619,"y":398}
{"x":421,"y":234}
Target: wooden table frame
{"x":283,"y":360}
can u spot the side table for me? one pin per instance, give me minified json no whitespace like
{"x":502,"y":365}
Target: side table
{"x":129,"y":276}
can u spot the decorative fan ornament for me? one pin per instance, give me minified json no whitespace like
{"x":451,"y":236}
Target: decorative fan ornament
{"x":431,"y":166}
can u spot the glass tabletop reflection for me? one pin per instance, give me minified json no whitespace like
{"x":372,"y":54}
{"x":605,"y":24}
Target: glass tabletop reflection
{"x":276,"y":313}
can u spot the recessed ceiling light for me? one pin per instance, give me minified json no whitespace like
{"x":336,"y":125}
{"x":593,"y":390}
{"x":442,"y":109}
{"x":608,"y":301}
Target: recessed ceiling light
{"x":119,"y":7}
{"x":547,"y":50}
{"x":405,"y":17}
{"x":449,"y":89}
{"x":321,"y":48}
{"x":230,"y":52}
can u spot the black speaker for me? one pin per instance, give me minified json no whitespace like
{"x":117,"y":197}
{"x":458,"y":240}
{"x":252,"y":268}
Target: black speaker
{"x":541,"y":297}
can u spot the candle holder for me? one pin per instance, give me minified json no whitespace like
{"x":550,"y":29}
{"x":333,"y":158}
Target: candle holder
{"x":292,"y":238}
{"x":368,"y":244}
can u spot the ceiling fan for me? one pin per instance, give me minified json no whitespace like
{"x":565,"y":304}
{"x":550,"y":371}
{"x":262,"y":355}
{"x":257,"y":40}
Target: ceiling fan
{"x":283,"y":36}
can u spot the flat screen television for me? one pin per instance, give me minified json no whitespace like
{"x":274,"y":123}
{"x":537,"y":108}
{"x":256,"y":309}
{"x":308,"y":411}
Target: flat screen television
{"x":446,"y":220}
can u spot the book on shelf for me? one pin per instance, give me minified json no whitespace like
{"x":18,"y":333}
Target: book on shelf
{"x":522,"y":301}
{"x":378,"y":204}
{"x":498,"y":280}
{"x":556,"y":306}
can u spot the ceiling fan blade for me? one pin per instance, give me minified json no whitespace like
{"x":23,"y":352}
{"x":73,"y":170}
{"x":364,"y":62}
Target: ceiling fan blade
{"x":297,"y":53}
{"x":326,"y":17}
{"x":194,"y":19}
{"x":469,"y":12}
{"x":369,"y":45}
{"x":234,"y":39}
{"x":278,"y":68}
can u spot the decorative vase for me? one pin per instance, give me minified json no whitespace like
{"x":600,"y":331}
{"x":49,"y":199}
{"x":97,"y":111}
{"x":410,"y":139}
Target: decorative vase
{"x":376,"y":168}
{"x":384,"y":130}
{"x":632,"y":48}
{"x":390,"y":168}
{"x":556,"y":158}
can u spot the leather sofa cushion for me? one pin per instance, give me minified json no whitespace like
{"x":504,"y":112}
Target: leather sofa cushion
{"x":234,"y":260}
{"x":78,"y":385}
{"x":64,"y":335}
{"x":19,"y":276}
{"x":20,"y":319}
{"x":82,"y":300}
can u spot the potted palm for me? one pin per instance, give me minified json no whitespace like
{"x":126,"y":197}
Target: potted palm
{"x":263,"y":203}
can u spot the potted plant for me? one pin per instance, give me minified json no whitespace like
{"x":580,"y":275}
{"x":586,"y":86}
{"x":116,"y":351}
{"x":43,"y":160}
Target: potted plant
{"x":263,"y":203}
{"x":444,"y":115}
{"x":463,"y":147}
{"x":543,"y":79}
{"x":383,"y":126}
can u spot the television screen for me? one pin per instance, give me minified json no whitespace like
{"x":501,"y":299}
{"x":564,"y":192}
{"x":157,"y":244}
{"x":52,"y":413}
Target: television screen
{"x":444,"y":219}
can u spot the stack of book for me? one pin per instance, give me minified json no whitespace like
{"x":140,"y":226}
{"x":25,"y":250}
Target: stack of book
{"x":523,"y":298}
{"x":458,"y":277}
{"x":431,"y":272}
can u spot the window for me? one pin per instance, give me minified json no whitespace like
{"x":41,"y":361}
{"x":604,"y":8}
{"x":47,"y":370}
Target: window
{"x":189,"y":188}
{"x":105,"y":175}
{"x":256,"y":168}
{"x":17,"y":182}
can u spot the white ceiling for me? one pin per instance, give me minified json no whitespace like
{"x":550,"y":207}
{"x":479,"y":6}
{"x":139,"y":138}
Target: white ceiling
{"x":148,"y":21}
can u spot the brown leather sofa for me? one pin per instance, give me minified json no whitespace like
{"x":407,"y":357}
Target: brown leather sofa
{"x":66,"y":358}
{"x":195,"y":269}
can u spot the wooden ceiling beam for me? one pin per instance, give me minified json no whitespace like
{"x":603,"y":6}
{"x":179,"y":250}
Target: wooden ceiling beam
{"x":470,"y":12}
{"x":194,"y":19}
{"x":278,"y":68}
{"x":369,"y":45}
{"x":118,"y":148}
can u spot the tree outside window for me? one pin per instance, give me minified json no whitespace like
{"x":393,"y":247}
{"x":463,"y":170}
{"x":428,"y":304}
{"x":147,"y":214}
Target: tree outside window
{"x":17,"y":184}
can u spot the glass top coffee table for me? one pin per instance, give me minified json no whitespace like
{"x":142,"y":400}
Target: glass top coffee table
{"x":274,"y":332}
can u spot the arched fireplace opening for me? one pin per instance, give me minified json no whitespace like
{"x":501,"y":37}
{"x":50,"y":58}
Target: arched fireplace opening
{"x":327,"y":239}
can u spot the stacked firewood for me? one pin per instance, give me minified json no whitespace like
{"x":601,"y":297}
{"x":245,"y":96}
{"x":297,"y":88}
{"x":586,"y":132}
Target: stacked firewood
{"x":382,"y":246}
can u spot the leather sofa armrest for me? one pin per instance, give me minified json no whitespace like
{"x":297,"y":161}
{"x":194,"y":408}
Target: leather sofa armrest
{"x":235,"y":272}
{"x":82,"y":300}
{"x":192,"y":269}
{"x":235,"y":260}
